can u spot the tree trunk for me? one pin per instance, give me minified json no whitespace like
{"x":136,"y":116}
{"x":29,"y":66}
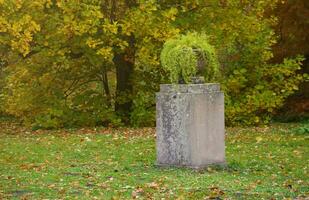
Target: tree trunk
{"x":106,"y":89}
{"x":124,"y":62}
{"x":124,"y":69}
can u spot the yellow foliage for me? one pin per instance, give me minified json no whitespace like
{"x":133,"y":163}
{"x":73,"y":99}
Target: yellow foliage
{"x":106,"y":52}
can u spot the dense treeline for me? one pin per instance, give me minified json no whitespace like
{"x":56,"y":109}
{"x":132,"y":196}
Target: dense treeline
{"x":85,"y":63}
{"x":293,"y":39}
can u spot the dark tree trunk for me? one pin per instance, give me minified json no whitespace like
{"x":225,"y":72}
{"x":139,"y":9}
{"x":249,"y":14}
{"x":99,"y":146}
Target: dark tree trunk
{"x":124,"y":62}
{"x":106,"y":89}
{"x":124,"y":69}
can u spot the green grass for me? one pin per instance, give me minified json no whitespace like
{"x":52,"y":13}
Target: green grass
{"x":263,"y":163}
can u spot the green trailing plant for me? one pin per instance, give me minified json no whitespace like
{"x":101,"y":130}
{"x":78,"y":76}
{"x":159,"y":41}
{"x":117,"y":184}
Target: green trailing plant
{"x":189,"y":55}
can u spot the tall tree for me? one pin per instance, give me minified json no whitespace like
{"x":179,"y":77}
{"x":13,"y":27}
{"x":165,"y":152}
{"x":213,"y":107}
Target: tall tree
{"x":66,"y":49}
{"x":77,"y":62}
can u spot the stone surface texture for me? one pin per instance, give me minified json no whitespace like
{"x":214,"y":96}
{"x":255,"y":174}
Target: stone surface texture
{"x":190,"y":125}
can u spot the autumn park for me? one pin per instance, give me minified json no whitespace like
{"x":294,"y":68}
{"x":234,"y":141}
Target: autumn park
{"x":146,"y":99}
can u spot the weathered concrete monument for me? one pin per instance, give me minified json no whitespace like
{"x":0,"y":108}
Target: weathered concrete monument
{"x":190,"y":125}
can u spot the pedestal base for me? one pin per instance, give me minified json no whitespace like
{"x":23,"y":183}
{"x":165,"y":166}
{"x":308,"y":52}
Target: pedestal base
{"x":190,"y":125}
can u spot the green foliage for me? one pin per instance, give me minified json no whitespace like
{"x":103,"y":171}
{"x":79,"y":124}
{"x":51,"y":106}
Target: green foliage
{"x":183,"y":56}
{"x":243,"y":38}
{"x":61,"y":70}
{"x":86,"y":109}
{"x":143,"y":113}
{"x":59,"y":58}
{"x":303,"y":130}
{"x":254,"y":98}
{"x":1,"y":86}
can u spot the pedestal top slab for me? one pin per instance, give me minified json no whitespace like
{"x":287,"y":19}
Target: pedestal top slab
{"x":190,"y":88}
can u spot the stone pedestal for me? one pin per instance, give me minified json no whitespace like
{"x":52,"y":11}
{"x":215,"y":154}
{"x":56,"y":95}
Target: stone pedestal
{"x":190,"y":125}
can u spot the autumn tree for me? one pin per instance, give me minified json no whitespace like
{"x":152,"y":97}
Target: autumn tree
{"x":63,"y":52}
{"x":94,"y":62}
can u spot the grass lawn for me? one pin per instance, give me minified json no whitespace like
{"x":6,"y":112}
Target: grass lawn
{"x":263,"y":163}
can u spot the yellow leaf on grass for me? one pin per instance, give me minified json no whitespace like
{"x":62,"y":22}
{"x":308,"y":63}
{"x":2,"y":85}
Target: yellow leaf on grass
{"x":258,"y":139}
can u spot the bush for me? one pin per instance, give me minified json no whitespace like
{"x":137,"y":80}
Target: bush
{"x":253,"y":98}
{"x":243,"y":36}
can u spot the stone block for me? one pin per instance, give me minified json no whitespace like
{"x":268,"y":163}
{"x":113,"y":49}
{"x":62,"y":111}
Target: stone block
{"x":190,"y":125}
